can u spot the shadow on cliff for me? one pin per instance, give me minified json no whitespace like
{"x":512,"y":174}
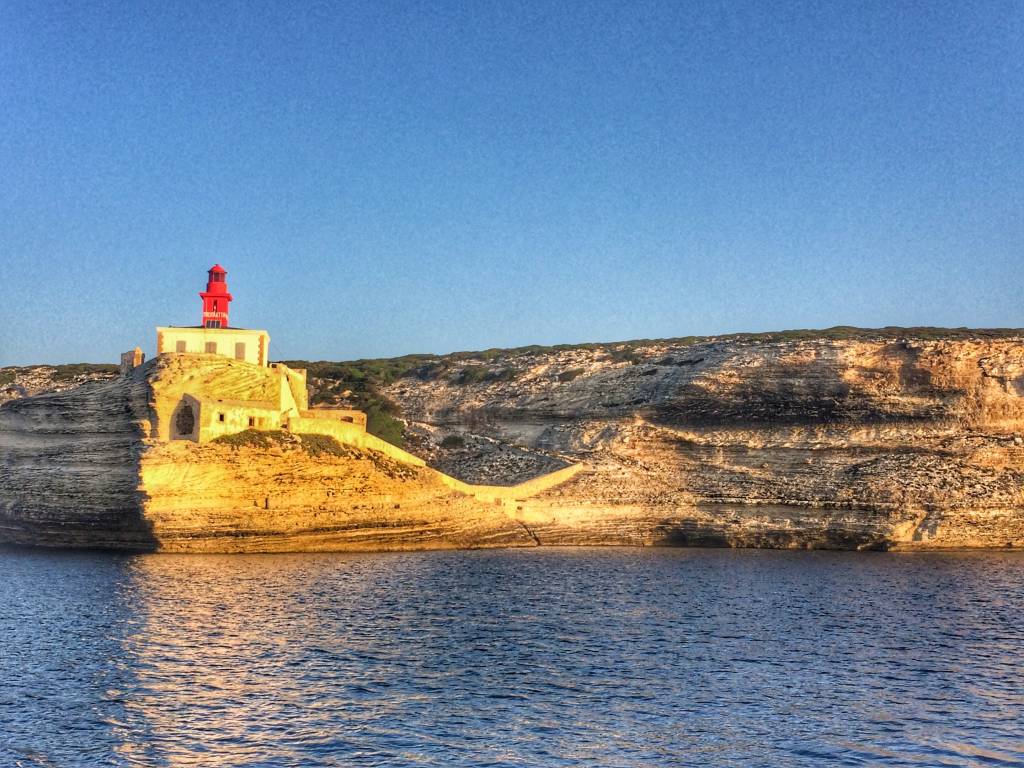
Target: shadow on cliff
{"x":72,"y":468}
{"x":123,"y":525}
{"x":822,"y":390}
{"x":691,"y":534}
{"x":688,"y":533}
{"x":137,"y":532}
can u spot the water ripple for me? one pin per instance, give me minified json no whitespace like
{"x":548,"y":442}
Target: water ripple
{"x":513,"y":658}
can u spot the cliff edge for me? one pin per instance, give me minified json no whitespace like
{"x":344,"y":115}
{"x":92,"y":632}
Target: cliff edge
{"x":840,"y":443}
{"x":868,"y":443}
{"x":89,"y":467}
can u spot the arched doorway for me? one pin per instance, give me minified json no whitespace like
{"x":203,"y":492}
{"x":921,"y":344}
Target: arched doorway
{"x":185,"y":421}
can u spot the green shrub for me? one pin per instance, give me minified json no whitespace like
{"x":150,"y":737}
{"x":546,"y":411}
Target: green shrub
{"x":385,"y":426}
{"x":623,"y":354}
{"x":429,"y":372}
{"x":569,"y":375}
{"x":321,"y":397}
{"x":453,"y":441}
{"x":252,"y":438}
{"x":471,"y":374}
{"x":478,"y":374}
{"x":71,"y":370}
{"x":502,"y":374}
{"x":313,"y":444}
{"x":320,"y":445}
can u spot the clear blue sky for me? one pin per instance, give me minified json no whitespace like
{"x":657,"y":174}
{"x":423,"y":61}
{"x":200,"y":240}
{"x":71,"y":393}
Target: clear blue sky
{"x":426,"y":177}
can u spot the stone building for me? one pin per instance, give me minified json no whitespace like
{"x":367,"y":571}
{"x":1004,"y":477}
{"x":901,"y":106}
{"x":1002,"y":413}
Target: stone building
{"x":234,"y":396}
{"x":243,"y":392}
{"x":238,"y":343}
{"x":131,"y":359}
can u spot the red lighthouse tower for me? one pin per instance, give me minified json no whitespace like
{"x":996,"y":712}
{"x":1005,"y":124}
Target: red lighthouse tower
{"x":216,"y":299}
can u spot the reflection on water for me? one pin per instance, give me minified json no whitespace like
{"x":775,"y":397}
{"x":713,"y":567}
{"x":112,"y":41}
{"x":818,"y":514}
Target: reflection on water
{"x":530,"y":657}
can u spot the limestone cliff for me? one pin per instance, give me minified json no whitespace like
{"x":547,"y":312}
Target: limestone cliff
{"x":69,"y":466}
{"x":24,"y":381}
{"x":85,"y":468}
{"x":859,"y":443}
{"x":819,"y":443}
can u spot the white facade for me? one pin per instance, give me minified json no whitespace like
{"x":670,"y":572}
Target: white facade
{"x":252,"y":346}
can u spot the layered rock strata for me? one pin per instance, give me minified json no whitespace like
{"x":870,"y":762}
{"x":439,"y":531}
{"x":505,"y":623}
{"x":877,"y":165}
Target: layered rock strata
{"x":863,"y":444}
{"x":839,"y":444}
{"x":85,"y":468}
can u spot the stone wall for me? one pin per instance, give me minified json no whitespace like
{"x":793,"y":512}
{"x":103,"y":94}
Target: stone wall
{"x":228,"y":417}
{"x":294,"y":398}
{"x":131,"y":360}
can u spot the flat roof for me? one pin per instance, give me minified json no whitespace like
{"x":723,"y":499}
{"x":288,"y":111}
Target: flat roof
{"x":204,"y":328}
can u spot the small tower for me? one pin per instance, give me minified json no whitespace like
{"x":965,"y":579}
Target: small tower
{"x":216,"y":299}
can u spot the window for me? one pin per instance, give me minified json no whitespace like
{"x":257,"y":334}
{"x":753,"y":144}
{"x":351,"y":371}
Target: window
{"x":179,"y":346}
{"x":252,"y":421}
{"x":214,"y":305}
{"x":212,"y":323}
{"x":211,"y":347}
{"x":220,"y":417}
{"x":240,"y":350}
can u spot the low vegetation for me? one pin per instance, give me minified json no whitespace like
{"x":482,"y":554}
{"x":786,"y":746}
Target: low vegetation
{"x":74,"y":370}
{"x":481,"y":374}
{"x":452,"y":442}
{"x":323,"y":445}
{"x":314,"y":445}
{"x":358,"y":383}
{"x":254,"y":438}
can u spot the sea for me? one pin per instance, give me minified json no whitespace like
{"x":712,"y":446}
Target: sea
{"x":523,"y":657}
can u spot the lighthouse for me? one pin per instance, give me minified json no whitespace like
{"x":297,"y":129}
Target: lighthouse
{"x":214,"y":335}
{"x":216,"y":298}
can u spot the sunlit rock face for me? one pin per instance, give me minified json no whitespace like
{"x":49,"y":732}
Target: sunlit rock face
{"x":839,"y":444}
{"x":847,"y":444}
{"x":214,"y":498}
{"x":85,"y":468}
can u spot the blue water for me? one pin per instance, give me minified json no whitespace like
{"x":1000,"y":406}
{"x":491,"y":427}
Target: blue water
{"x":595,"y":657}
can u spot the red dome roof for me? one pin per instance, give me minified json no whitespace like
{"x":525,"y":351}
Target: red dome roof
{"x":218,"y":268}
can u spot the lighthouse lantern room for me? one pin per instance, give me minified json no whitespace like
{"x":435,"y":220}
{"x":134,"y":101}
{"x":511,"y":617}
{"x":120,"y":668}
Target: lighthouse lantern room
{"x":216,"y":298}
